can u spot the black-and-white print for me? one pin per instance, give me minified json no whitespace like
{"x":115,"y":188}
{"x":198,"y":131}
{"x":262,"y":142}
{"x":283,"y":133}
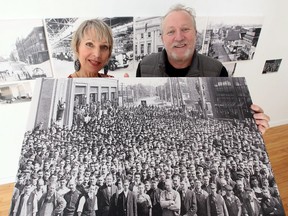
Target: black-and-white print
{"x":60,"y":32}
{"x":23,"y":53}
{"x":232,"y":38}
{"x":148,"y":35}
{"x":15,"y":92}
{"x":230,"y":67}
{"x":91,"y":142}
{"x":271,"y":66}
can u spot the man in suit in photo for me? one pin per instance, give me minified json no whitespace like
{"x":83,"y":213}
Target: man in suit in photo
{"x":127,"y":201}
{"x":251,"y":206}
{"x":104,"y":195}
{"x":188,"y":200}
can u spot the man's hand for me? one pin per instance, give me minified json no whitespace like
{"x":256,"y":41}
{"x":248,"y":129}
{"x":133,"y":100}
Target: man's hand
{"x":261,"y":119}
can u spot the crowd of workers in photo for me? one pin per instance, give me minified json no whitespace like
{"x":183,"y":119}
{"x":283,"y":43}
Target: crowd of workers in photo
{"x":145,"y":160}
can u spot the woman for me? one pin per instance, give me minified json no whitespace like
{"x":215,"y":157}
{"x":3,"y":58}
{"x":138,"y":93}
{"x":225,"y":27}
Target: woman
{"x":92,"y":45}
{"x":143,"y":202}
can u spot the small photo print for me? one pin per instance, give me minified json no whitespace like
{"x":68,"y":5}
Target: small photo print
{"x":271,"y":66}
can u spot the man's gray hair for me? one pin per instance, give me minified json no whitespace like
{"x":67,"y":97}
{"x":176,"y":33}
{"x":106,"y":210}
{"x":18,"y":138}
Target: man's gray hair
{"x":180,"y":7}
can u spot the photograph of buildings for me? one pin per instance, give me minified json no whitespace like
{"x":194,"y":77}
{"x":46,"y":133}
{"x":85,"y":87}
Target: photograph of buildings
{"x":85,"y":136}
{"x":148,"y":35}
{"x":233,"y":38}
{"x":60,"y":32}
{"x":23,"y":53}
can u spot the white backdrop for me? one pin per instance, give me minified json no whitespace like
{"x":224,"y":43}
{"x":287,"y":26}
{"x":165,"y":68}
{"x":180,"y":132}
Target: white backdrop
{"x":269,"y":91}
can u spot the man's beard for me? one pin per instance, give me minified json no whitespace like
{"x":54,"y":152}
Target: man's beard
{"x":187,"y":55}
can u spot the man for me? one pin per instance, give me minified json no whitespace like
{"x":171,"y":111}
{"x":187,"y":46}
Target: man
{"x":51,"y":203}
{"x":127,"y":201}
{"x":270,"y":205}
{"x":188,"y":200}
{"x":201,"y":198}
{"x":170,"y":200}
{"x":215,"y":203}
{"x":232,"y":202}
{"x":62,"y":188}
{"x":154,"y":194}
{"x":88,"y":203}
{"x":176,"y":182}
{"x":104,"y":195}
{"x":179,"y":58}
{"x":26,"y":204}
{"x":161,"y":183}
{"x":251,"y":206}
{"x":72,"y":199}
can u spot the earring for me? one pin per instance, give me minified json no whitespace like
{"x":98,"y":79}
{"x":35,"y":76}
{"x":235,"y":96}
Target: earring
{"x":77,"y":65}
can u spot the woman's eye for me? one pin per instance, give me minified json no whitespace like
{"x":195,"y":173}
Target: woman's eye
{"x":89,"y":44}
{"x":104,"y":47}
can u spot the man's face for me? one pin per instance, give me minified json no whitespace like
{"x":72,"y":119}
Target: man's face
{"x":179,"y":36}
{"x":109,"y":180}
{"x":126,"y":185}
{"x":137,"y":178}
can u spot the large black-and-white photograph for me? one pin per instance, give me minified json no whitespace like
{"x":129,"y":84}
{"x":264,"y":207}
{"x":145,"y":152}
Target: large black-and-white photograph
{"x":233,"y":38}
{"x":271,"y":66}
{"x":161,"y":146}
{"x":23,"y":53}
{"x":60,"y":32}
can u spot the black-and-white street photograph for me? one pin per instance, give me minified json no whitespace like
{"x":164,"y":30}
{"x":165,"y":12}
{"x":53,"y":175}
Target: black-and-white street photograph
{"x":60,"y":32}
{"x":230,"y":67}
{"x":168,"y":145}
{"x":232,"y":38}
{"x":271,"y":66}
{"x":23,"y":53}
{"x":15,"y":92}
{"x":148,"y":36}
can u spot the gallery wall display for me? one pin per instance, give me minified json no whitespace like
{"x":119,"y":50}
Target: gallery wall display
{"x":85,"y":132}
{"x":23,"y":51}
{"x":28,"y":45}
{"x":271,"y":66}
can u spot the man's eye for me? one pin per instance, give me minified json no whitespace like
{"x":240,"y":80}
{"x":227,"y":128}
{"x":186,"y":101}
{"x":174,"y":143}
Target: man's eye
{"x":171,"y":32}
{"x":185,"y":30}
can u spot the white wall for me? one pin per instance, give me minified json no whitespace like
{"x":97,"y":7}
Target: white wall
{"x":268,"y":90}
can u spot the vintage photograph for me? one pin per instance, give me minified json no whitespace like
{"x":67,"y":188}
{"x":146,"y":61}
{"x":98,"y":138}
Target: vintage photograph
{"x":15,"y":92}
{"x":271,"y":66}
{"x":148,"y":36}
{"x":60,"y":32}
{"x":230,"y":67}
{"x":233,"y":38}
{"x":146,"y":146}
{"x":23,"y":53}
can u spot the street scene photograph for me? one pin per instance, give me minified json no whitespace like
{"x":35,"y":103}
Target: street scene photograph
{"x":23,"y":51}
{"x":158,"y":146}
{"x":233,"y":38}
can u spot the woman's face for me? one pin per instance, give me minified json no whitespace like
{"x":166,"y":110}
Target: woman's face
{"x":92,"y":54}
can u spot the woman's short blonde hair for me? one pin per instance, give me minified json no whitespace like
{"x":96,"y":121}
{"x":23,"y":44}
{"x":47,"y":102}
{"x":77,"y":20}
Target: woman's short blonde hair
{"x":102,"y":30}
